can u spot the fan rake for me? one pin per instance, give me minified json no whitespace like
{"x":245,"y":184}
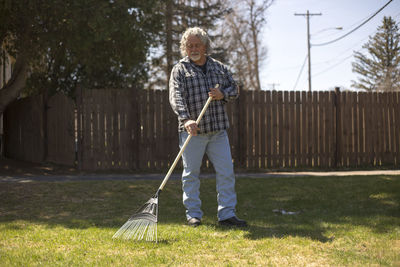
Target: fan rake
{"x":143,"y":224}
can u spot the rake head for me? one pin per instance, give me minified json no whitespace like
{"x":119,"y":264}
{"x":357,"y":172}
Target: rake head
{"x":142,"y":224}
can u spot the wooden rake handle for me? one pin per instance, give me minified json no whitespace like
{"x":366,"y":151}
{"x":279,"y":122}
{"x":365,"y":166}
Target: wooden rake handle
{"x":171,"y":169}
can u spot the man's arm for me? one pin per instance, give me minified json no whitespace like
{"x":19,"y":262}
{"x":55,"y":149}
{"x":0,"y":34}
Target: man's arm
{"x":177,"y":95}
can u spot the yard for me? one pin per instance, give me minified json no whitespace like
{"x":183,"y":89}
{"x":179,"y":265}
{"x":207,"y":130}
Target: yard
{"x":342,"y":221}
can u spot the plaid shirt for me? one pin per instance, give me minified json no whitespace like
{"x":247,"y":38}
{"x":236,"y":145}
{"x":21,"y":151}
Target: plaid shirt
{"x":188,"y":93}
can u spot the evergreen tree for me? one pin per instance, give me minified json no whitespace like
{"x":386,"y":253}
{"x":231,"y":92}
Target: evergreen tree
{"x":379,"y":68}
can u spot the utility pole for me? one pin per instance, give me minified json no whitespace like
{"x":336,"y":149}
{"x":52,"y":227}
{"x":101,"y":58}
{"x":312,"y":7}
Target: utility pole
{"x":308,"y":14}
{"x":273,"y":85}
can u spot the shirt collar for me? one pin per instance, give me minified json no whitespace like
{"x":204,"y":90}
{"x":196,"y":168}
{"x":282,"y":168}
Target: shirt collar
{"x":186,"y":59}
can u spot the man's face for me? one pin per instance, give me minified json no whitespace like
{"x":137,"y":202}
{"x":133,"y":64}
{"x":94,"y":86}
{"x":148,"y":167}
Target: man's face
{"x":196,"y":50}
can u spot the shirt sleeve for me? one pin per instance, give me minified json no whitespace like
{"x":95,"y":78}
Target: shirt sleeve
{"x":178,"y":95}
{"x":231,"y":92}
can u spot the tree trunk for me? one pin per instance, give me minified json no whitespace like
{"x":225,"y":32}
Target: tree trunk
{"x":168,"y":24}
{"x":14,"y":86}
{"x":256,"y":59}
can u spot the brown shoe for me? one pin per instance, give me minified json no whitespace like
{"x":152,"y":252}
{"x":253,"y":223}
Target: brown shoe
{"x":194,"y":222}
{"x":233,"y":221}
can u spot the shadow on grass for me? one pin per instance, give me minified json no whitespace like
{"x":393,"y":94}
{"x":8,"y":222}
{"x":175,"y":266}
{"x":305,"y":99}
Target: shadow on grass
{"x":325,"y":204}
{"x":259,"y":232}
{"x":256,"y":232}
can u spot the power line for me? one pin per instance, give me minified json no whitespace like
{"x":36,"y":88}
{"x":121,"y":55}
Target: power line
{"x":356,"y":28}
{"x":301,"y":70}
{"x":337,"y":57}
{"x":342,"y":60}
{"x":333,"y":66}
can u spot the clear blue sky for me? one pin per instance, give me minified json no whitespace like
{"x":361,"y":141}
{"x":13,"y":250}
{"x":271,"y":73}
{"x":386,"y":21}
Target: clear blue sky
{"x":285,"y":37}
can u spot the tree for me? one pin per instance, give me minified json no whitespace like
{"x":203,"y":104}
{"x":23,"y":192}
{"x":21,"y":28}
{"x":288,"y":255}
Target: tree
{"x":241,"y":35}
{"x":59,"y":44}
{"x":380,"y":67}
{"x":178,"y":16}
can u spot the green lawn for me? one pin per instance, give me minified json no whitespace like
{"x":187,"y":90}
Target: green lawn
{"x":343,"y":221}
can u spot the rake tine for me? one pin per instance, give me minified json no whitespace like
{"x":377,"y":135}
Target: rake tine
{"x":143,"y":227}
{"x":133,"y":231}
{"x":121,"y":230}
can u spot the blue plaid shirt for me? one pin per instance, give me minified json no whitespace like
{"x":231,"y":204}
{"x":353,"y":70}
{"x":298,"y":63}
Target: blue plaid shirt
{"x":188,"y":93}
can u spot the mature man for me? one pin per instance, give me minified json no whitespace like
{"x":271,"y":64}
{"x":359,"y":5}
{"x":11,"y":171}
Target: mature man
{"x":196,"y":77}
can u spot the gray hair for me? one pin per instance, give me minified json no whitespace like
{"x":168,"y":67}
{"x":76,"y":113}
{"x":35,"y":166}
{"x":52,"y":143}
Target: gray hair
{"x":199,"y":33}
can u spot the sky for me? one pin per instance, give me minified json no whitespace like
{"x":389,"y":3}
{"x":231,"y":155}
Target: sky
{"x":285,"y":37}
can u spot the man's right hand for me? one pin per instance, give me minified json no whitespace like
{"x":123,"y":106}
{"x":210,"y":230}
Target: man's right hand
{"x":191,"y":127}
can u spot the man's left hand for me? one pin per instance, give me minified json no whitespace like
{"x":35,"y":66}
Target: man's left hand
{"x":216,"y":94}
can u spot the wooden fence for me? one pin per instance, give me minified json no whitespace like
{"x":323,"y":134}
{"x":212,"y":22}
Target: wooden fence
{"x":137,"y":130}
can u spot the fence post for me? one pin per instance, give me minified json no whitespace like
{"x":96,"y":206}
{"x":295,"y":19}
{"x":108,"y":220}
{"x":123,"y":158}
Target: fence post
{"x":338,"y":123}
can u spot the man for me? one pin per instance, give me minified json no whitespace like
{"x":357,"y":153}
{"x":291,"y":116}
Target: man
{"x":196,"y":77}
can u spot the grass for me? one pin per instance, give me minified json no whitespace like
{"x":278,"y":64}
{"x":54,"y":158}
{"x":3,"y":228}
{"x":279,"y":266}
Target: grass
{"x":343,"y":221}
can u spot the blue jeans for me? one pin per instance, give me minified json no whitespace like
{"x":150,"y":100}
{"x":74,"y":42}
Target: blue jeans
{"x":217,"y":147}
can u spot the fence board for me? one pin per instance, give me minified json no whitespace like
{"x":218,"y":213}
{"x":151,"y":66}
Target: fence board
{"x":251,"y":130}
{"x":380,"y":136}
{"x":280,"y":136}
{"x":151,"y":134}
{"x":97,"y":149}
{"x":86,"y":135}
{"x":361,"y":128}
{"x":269,"y":129}
{"x":292,"y":128}
{"x":256,"y":129}
{"x":384,"y":129}
{"x":158,"y":130}
{"x":346,"y":118}
{"x":370,"y":129}
{"x":322,"y":126}
{"x":332,"y":131}
{"x":303,"y":127}
{"x":274,"y":139}
{"x":315,"y":130}
{"x":310,"y":129}
{"x":263,"y":129}
{"x":363,"y":122}
{"x":330,"y":134}
{"x":390,"y":154}
{"x":392,"y":127}
{"x":297,"y":130}
{"x":144,"y":153}
{"x":285,"y":126}
{"x":355,"y":140}
{"x":103,"y":144}
{"x":350,"y":130}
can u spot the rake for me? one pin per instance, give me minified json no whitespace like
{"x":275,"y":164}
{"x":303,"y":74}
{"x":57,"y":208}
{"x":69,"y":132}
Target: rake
{"x":143,"y":224}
